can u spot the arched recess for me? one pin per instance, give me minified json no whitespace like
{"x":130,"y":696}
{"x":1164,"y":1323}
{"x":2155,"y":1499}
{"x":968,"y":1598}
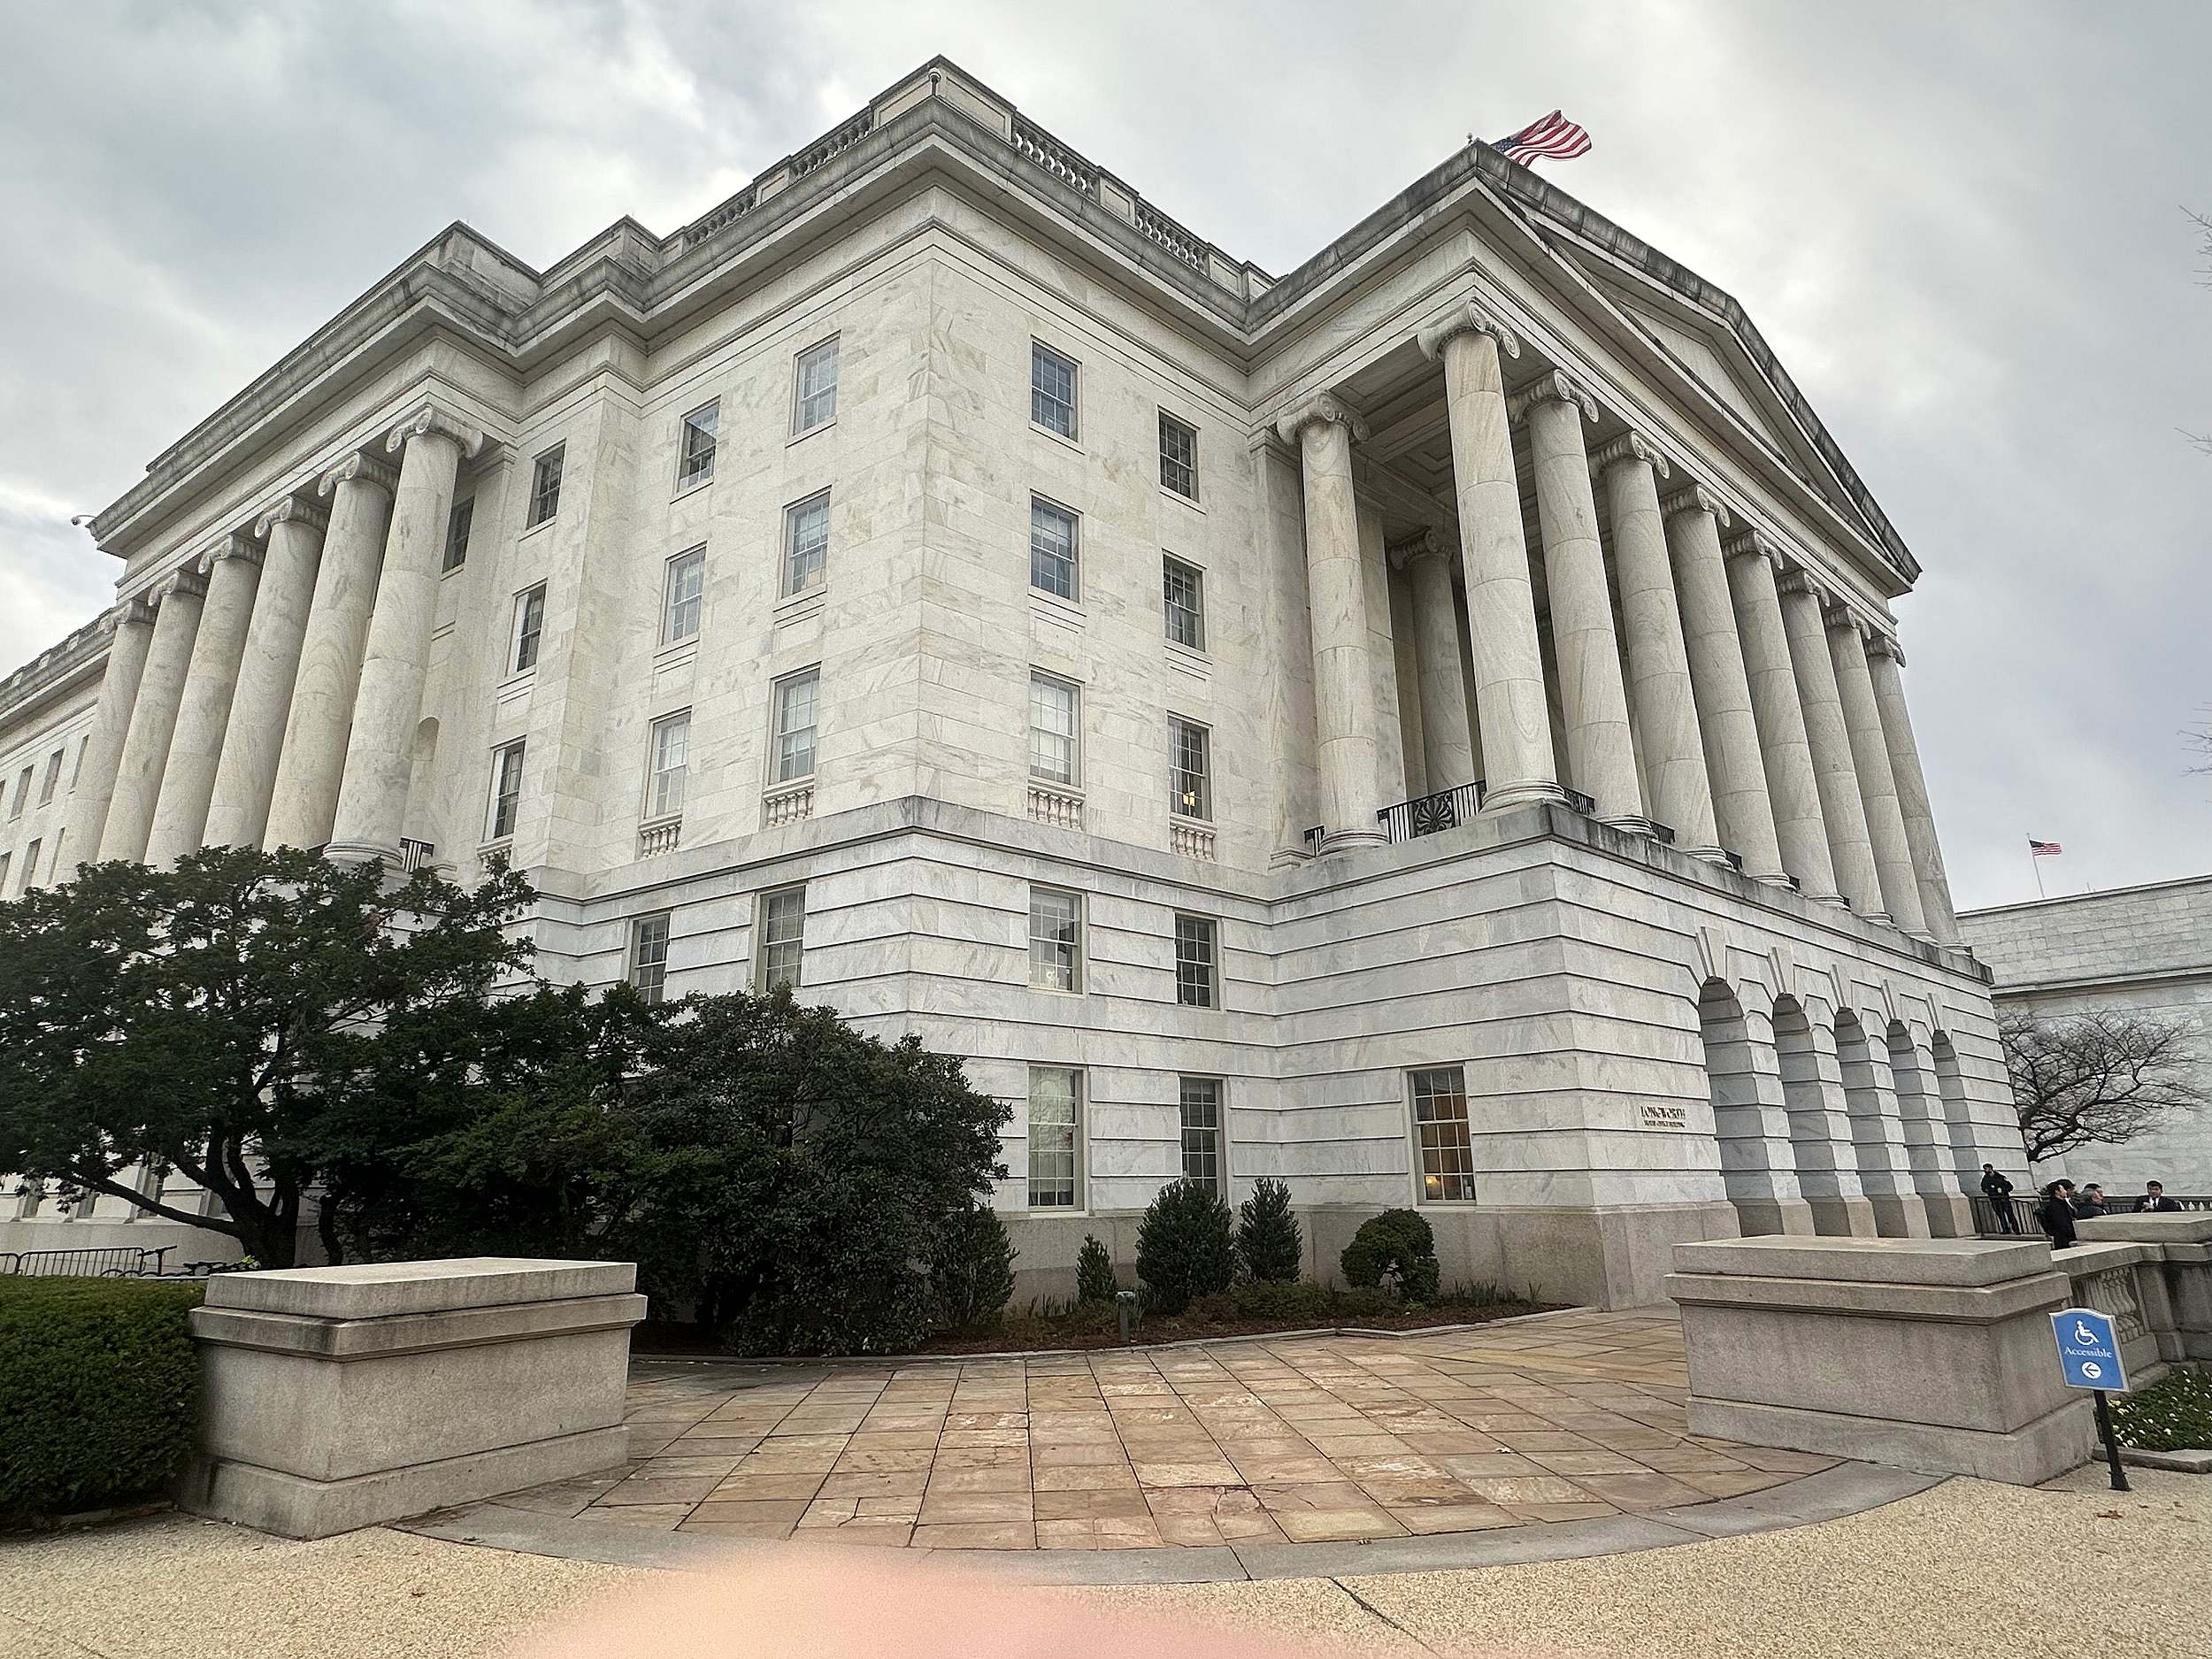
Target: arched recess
{"x":1877,"y":1137}
{"x":1951,"y":1088}
{"x":1829,"y":1183}
{"x":1756,"y":1169}
{"x":1926,"y":1143}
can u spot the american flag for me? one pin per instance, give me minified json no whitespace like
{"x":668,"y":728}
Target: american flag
{"x":2043,"y":849}
{"x":1554,"y":136}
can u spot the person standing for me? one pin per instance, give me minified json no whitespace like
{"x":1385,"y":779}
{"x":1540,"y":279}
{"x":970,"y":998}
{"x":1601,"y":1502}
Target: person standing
{"x":2056,"y":1213}
{"x":1998,"y":1190}
{"x":2154,"y":1201}
{"x":2092,"y":1201}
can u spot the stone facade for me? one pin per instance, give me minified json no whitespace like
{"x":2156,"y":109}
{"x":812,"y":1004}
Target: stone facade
{"x":1427,"y":727}
{"x":2145,"y":950}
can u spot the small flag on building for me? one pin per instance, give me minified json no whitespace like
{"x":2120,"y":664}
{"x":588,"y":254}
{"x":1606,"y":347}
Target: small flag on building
{"x":1555,"y":137}
{"x":2043,"y":849}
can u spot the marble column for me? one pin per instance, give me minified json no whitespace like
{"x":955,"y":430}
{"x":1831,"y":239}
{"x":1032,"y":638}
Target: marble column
{"x":1842,"y":810}
{"x":1743,"y":813}
{"x":233,"y":571}
{"x":305,"y":799}
{"x":1877,"y":781}
{"x":1448,"y":744}
{"x":1510,"y":707}
{"x":1323,"y":432}
{"x":1793,"y":785}
{"x":1658,"y":662}
{"x":1884,"y":658}
{"x":245,"y":777}
{"x":111,"y":722}
{"x":153,"y":719}
{"x":1600,"y":753}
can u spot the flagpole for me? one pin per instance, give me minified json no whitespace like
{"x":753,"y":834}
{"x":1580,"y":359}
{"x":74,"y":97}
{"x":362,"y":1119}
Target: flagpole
{"x":2038,"y":868}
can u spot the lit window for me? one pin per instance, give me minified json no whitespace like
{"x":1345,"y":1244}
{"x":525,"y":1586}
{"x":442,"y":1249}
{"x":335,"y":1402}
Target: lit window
{"x":805,"y":543}
{"x":52,"y":780}
{"x":1051,"y":391}
{"x":695,"y":465}
{"x":1179,"y":455}
{"x":506,"y":790}
{"x":648,"y":955}
{"x":817,"y":404}
{"x":1440,"y":1121}
{"x":1196,"y":984}
{"x":1056,"y":1104}
{"x":529,"y":626}
{"x":685,"y":591}
{"x":796,"y":700}
{"x":30,"y":866}
{"x":1190,"y":784}
{"x":1056,"y":921}
{"x":1052,"y":729}
{"x":1183,"y":589}
{"x":1052,"y":555}
{"x":458,"y":524}
{"x":782,"y":938}
{"x":1201,"y":1110}
{"x":671,"y":760}
{"x":545,"y":486}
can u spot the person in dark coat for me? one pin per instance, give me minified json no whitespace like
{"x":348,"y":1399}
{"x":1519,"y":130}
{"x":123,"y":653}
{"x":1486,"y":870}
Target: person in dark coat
{"x":2091,"y":1202}
{"x":1998,"y":1190}
{"x":2056,"y":1213}
{"x":2154,"y":1201}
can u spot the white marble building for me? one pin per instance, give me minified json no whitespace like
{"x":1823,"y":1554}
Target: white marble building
{"x":940,"y":577}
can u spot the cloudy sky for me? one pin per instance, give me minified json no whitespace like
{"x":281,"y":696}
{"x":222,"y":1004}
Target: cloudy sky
{"x":1962,"y":226}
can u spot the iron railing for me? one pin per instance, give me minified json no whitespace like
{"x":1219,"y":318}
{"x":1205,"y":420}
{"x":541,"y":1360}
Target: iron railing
{"x":1448,"y":808}
{"x":118,"y":1261}
{"x":2015,"y":1217}
{"x":414,"y":855}
{"x":1583,"y":803}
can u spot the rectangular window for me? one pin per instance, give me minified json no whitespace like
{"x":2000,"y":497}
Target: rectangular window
{"x":1179,"y":455}
{"x":648,"y":955}
{"x":545,"y":486}
{"x":1051,"y":391}
{"x":1056,"y":926}
{"x":1053,"y":724}
{"x":695,"y":463}
{"x":1190,"y":784}
{"x":77,"y":771}
{"x":1197,"y":969}
{"x":805,"y":543}
{"x":1439,"y":1123}
{"x":52,"y":780}
{"x":817,"y":392}
{"x":30,"y":866}
{"x":506,"y":790}
{"x":671,"y":760}
{"x":782,"y":939}
{"x":457,"y":524}
{"x":22,"y":794}
{"x":796,"y":701}
{"x":5,"y":860}
{"x":1200,"y":1104}
{"x":1055,"y":1106}
{"x":683,"y":594}
{"x":1183,"y":589}
{"x":1052,"y":548}
{"x":529,"y":625}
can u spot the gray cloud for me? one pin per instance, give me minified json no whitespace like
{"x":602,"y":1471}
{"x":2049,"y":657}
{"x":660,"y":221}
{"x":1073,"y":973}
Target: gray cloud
{"x":1961,"y":227}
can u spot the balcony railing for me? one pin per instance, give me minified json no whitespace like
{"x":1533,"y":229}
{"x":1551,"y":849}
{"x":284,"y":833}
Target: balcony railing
{"x":1054,"y":157}
{"x":1585,"y":805}
{"x":416,"y":855}
{"x":2016,"y":1217}
{"x":833,"y":144}
{"x":1448,"y":808}
{"x":662,"y":837}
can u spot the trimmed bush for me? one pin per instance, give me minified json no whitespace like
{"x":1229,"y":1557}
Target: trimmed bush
{"x":1281,"y":1299}
{"x":973,"y":1272}
{"x":99,"y":1391}
{"x":1184,"y":1247}
{"x":1267,"y":1233}
{"x":1094,"y":1272}
{"x":1397,"y":1245}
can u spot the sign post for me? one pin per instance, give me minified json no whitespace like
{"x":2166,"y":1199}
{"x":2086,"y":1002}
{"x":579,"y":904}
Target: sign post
{"x":2089,"y":1357}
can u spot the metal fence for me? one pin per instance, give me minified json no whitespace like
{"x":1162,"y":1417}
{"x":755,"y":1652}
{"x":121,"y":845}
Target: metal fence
{"x":107,"y":1262}
{"x":2015,"y":1217}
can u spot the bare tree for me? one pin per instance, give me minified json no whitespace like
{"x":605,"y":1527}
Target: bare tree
{"x":2100,"y":1078}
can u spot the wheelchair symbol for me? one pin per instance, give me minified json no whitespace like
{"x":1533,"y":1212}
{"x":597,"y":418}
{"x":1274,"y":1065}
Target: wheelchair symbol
{"x":2083,"y":1334}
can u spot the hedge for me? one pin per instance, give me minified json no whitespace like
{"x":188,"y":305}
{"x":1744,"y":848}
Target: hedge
{"x":98,"y":1391}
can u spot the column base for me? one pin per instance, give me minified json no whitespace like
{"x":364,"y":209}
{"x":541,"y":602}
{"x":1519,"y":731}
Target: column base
{"x":1899,"y":1214}
{"x":1629,"y":824}
{"x":361,"y":853}
{"x":1708,"y":856}
{"x":1774,"y":1217}
{"x":1833,"y":900}
{"x":1843,"y":1218}
{"x":1521,"y":793}
{"x":1345,"y":840}
{"x":1879,"y":918}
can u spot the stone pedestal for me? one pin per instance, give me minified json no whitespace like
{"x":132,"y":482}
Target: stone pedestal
{"x":1933,"y":1355}
{"x":339,"y":1397}
{"x":2180,"y":1310}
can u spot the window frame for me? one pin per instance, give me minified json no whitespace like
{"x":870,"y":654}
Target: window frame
{"x":654,"y":810}
{"x":517,"y":752}
{"x":1168,"y":420}
{"x":49,"y":781}
{"x":1219,"y":1128}
{"x":1076,"y":1185}
{"x":1074,"y":734}
{"x":30,"y":862}
{"x":1075,"y":942}
{"x":22,"y":792}
{"x":800,"y":425}
{"x":460,"y":525}
{"x":7,"y":857}
{"x":1074,"y":596}
{"x":1203,"y":812}
{"x":1415,"y":1125}
{"x":671,"y":567}
{"x":634,"y":963}
{"x":1039,"y":350}
{"x":779,"y":690}
{"x":545,"y":491}
{"x":1170,"y":567}
{"x":694,"y":469}
{"x":526,"y":630}
{"x":784,"y":589}
{"x":1212,"y":925}
{"x":764,"y":918}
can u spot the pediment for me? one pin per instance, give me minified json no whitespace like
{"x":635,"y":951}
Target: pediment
{"x":1703,"y":361}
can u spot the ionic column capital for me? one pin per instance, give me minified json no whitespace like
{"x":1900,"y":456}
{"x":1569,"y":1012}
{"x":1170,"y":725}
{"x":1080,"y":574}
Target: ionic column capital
{"x":1424,"y":544}
{"x":1794,"y":577}
{"x":1553,"y":387}
{"x":187,"y":584}
{"x":1324,"y":407}
{"x":1881,"y":644}
{"x":136,"y":612}
{"x":1628,"y":446}
{"x":364,"y":469}
{"x":1469,"y":319}
{"x":431,"y":418}
{"x":291,"y":510}
{"x":1694,"y":497}
{"x":236,"y":545}
{"x":1842,"y":618}
{"x":1749,"y":543}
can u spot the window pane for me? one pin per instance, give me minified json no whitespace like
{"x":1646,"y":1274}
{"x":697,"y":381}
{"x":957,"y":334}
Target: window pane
{"x":805,"y":543}
{"x":506,"y":790}
{"x":545,"y":485}
{"x":1054,"y":921}
{"x":456,"y":533}
{"x":1051,"y":548}
{"x":795,"y":701}
{"x":1051,"y":391}
{"x":1195,"y":961}
{"x":1055,"y":1105}
{"x":1179,"y":455}
{"x":529,"y":624}
{"x":782,"y":937}
{"x":686,"y":587}
{"x":47,"y":784}
{"x":648,"y":955}
{"x":1440,"y":1121}
{"x":818,"y":387}
{"x":1183,"y":589}
{"x":672,"y":759}
{"x":1200,"y":1106}
{"x":1052,"y":704}
{"x":697,"y":462}
{"x":1189,"y":788}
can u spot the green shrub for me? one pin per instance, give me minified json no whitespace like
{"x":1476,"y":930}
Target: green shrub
{"x":1184,"y":1249}
{"x":2173,"y":1414}
{"x":1372,"y":1302}
{"x":1267,"y":1233}
{"x":1094,"y":1272}
{"x":1280,"y":1299}
{"x":98,"y":1391}
{"x":973,"y":1269}
{"x":1397,"y":1245}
